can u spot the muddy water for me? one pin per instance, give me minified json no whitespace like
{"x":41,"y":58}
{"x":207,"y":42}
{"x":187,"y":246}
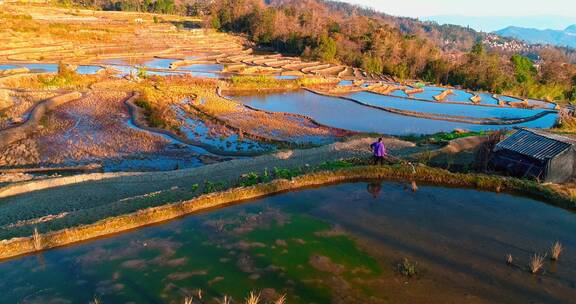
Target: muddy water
{"x":348,"y":115}
{"x":339,"y":243}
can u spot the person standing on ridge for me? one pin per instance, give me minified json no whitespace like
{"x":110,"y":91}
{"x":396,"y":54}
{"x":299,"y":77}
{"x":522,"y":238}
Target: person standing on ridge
{"x":379,"y":151}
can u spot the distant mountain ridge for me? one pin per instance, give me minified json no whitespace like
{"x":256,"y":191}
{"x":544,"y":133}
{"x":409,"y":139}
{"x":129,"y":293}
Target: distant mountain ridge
{"x":566,"y":37}
{"x":495,"y":23}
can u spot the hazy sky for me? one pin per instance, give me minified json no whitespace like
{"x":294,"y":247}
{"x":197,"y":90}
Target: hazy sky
{"x":486,"y":15}
{"x":419,"y":8}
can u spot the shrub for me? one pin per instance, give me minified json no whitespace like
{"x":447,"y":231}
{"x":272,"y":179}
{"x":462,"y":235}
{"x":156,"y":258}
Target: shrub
{"x":536,"y":263}
{"x":555,"y":251}
{"x":153,"y":117}
{"x":407,"y":268}
{"x":336,"y":164}
{"x":142,"y":73}
{"x":286,"y":173}
{"x":210,"y":187}
{"x":249,"y":179}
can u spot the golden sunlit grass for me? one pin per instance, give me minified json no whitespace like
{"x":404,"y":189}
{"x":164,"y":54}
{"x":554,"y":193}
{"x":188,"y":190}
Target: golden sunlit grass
{"x":414,"y":186}
{"x":443,"y":95}
{"x":265,"y":82}
{"x":536,"y":263}
{"x":253,"y":298}
{"x":51,"y":34}
{"x":566,"y":123}
{"x":50,"y":81}
{"x":225,"y":300}
{"x":555,"y":251}
{"x":281,"y":300}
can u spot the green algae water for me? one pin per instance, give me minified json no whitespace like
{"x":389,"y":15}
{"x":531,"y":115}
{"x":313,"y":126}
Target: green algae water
{"x":336,"y":244}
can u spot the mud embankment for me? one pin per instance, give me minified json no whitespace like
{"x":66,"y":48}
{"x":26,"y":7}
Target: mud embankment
{"x":38,"y":242}
{"x":443,"y":95}
{"x":14,"y":71}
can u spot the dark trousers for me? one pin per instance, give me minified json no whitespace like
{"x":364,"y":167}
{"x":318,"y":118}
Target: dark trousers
{"x":378,"y":160}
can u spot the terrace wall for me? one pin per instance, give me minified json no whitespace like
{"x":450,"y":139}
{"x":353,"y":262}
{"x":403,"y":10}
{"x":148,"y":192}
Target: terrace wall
{"x":25,"y":245}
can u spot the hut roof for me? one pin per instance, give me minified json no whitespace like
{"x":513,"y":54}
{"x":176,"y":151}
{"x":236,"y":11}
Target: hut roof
{"x":535,"y":143}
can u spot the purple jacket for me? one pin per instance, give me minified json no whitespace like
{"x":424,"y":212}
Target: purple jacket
{"x":378,"y":149}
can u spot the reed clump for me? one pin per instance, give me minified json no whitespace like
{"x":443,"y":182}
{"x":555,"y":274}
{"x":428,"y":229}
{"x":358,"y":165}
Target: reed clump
{"x":95,"y":300}
{"x":555,"y":251}
{"x":536,"y":263}
{"x":37,"y":240}
{"x":253,"y":298}
{"x":281,"y":300}
{"x":407,"y":268}
{"x":509,"y":259}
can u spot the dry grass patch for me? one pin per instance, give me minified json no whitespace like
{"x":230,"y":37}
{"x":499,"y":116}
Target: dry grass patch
{"x":536,"y":263}
{"x":555,"y":251}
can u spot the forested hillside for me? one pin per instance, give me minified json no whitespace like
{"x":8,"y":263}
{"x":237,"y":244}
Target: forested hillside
{"x":402,"y":47}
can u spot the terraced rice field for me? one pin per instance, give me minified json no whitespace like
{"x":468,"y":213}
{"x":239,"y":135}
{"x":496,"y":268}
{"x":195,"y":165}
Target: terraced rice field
{"x":345,"y":114}
{"x":313,"y":247}
{"x":122,"y":92}
{"x":443,"y":108}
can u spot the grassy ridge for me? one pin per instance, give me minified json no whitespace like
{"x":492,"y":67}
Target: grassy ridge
{"x":332,"y":174}
{"x":266,"y":82}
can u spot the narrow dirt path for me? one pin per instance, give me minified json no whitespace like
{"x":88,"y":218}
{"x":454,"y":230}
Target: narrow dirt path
{"x":90,"y":197}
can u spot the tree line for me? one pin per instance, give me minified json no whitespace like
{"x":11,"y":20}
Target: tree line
{"x":314,"y":30}
{"x":402,"y":47}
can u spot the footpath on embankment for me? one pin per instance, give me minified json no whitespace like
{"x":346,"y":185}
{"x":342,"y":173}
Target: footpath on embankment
{"x":139,"y":183}
{"x":59,"y":203}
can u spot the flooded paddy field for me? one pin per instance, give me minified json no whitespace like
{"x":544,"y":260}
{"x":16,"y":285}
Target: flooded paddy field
{"x":464,"y":96}
{"x":340,"y":243}
{"x":218,"y":136}
{"x":442,"y":108}
{"x":161,"y":67}
{"x":428,"y":93}
{"x":97,"y":129}
{"x":345,"y":114}
{"x":202,"y":68}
